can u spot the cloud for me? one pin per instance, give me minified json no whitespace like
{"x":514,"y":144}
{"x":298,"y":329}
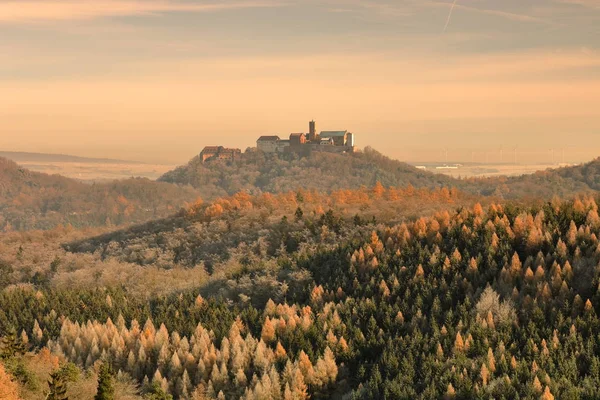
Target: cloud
{"x":54,"y":10}
{"x":494,"y":12}
{"x":585,"y":3}
{"x":412,"y":7}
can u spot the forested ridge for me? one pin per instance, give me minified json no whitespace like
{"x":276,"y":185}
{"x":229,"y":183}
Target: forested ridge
{"x":240,"y":225}
{"x":257,"y":172}
{"x":31,"y":200}
{"x":473,"y":298}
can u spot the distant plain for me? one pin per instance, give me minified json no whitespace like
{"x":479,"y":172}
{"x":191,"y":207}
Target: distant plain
{"x":488,"y":170}
{"x":98,"y":172}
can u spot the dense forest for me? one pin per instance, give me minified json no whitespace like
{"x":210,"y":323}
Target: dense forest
{"x":32,"y":200}
{"x":378,"y":293}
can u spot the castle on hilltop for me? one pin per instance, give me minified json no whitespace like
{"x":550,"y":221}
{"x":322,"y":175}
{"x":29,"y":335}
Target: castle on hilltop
{"x":219,"y":153}
{"x":327,"y":141}
{"x":301,"y":143}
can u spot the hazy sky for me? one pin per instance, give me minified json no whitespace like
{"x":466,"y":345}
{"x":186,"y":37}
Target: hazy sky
{"x":157,"y":80}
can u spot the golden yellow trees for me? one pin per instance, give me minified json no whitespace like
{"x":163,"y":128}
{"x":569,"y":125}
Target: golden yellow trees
{"x":513,"y":362}
{"x":400,"y":318}
{"x":588,"y":306}
{"x":547,"y":395}
{"x":268,"y":331}
{"x":280,"y":353}
{"x":440,"y":351}
{"x":378,"y":190}
{"x":8,"y":389}
{"x":472,"y":265}
{"x":491,"y":361}
{"x":485,"y":374}
{"x":306,"y":367}
{"x":572,"y":234}
{"x":420,"y":273}
{"x":537,"y":386}
{"x":515,"y":265}
{"x":450,"y":392}
{"x":459,"y":344}
{"x":342,"y":345}
{"x":593,"y":220}
{"x":529,"y":275}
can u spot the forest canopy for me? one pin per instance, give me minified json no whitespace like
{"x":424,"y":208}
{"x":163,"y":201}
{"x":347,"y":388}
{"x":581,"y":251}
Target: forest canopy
{"x":332,"y":299}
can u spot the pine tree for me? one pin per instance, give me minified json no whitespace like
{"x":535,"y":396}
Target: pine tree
{"x":106,"y":391}
{"x":58,"y":387}
{"x":37,"y":333}
{"x":299,"y":214}
{"x":11,"y":345}
{"x":156,"y":392}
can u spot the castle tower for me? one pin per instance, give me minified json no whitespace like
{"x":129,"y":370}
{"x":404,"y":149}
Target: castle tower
{"x":312,"y":131}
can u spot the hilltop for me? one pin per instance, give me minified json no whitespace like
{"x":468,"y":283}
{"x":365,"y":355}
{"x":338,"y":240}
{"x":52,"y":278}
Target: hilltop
{"x":33,"y":200}
{"x":562,"y":182}
{"x":258,"y":172}
{"x":588,"y":173}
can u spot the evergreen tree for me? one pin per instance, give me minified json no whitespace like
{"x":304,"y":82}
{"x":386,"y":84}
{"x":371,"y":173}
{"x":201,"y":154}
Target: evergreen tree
{"x":156,"y":392}
{"x":106,"y":390}
{"x":58,"y":386}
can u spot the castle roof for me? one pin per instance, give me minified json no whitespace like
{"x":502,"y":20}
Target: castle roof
{"x":329,"y":134}
{"x":219,"y":149}
{"x":268,"y":139}
{"x":211,"y":149}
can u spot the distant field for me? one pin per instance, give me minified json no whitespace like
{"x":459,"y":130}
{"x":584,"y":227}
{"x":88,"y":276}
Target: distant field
{"x":97,"y":171}
{"x":482,"y":170}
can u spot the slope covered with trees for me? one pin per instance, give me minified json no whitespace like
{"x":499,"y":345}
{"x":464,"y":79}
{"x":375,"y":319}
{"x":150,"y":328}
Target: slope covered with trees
{"x":474,"y":302}
{"x":31,"y":200}
{"x":244,"y":226}
{"x":258,"y":172}
{"x":588,"y":173}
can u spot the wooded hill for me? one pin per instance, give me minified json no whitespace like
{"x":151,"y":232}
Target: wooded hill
{"x":245,"y":226}
{"x":494,"y":301}
{"x":32,"y":200}
{"x":258,"y":172}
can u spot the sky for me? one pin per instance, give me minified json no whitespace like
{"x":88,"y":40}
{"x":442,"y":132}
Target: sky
{"x":419,"y":80}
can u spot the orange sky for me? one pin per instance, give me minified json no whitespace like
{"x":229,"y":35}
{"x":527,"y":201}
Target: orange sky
{"x":158,"y":80}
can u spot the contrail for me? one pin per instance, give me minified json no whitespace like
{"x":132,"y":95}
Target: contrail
{"x":449,"y":16}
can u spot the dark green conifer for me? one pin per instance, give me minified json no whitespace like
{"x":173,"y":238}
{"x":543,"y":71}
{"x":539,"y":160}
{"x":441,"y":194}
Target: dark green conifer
{"x":106,"y":390}
{"x":58,"y":387}
{"x":11,"y":345}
